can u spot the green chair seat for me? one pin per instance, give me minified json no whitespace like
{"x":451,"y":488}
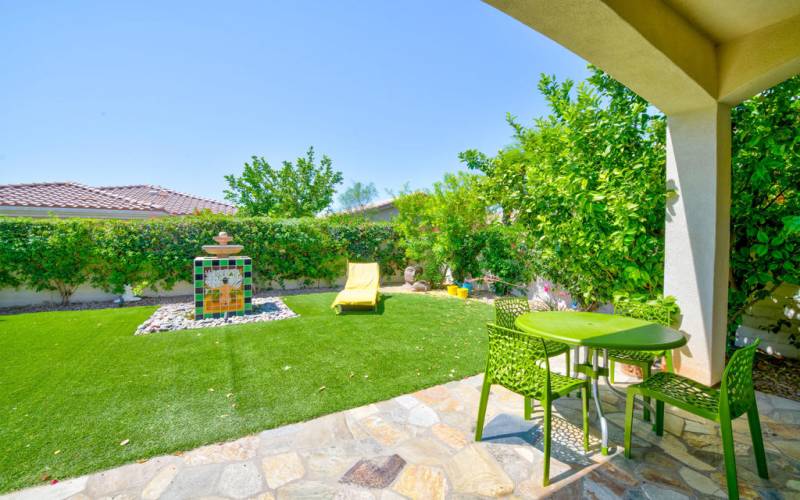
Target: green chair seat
{"x":556,"y":348}
{"x":682,"y":392}
{"x":635,"y":357}
{"x":520,"y":363}
{"x":562,"y":385}
{"x":630,"y":357}
{"x":735,"y":397}
{"x":533,"y":385}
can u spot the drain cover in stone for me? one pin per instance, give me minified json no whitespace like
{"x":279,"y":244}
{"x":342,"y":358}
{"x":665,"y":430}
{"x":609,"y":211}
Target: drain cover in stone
{"x":376,"y":472}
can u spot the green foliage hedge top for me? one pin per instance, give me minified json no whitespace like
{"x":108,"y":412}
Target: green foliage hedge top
{"x":63,"y":254}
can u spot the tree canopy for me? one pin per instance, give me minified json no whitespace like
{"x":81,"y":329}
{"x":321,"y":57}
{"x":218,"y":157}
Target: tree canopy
{"x":358,"y":195}
{"x":300,"y":189}
{"x":587,"y":183}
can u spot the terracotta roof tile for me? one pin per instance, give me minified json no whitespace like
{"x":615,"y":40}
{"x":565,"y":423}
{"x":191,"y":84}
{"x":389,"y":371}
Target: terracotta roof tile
{"x":173,"y":202}
{"x":69,"y":195}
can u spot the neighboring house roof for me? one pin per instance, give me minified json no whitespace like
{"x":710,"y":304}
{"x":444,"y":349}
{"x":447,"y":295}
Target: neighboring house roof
{"x":173,"y":202}
{"x":68,"y":195}
{"x":147,"y":199}
{"x":369,"y":207}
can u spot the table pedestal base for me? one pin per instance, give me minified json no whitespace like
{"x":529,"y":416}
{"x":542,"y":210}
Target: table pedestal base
{"x":594,"y":371}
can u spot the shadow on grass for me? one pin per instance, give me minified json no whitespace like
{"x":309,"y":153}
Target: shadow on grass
{"x":351,"y":311}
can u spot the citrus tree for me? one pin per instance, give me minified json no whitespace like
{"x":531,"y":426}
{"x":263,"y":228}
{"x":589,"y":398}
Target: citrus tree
{"x":587,"y":184}
{"x":765,"y":204}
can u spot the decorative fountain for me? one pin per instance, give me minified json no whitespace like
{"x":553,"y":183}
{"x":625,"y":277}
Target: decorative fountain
{"x":223,"y":295}
{"x":223,"y":282}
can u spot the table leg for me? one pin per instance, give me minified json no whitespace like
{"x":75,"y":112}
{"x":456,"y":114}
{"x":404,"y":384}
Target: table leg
{"x":596,"y":394}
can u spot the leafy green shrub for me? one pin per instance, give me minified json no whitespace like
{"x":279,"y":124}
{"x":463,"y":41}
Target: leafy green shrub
{"x":444,"y":227}
{"x":57,"y":256}
{"x":587,"y":183}
{"x":507,"y":256}
{"x":647,"y":307}
{"x":63,"y":254}
{"x":414,"y":224}
{"x":765,"y":206}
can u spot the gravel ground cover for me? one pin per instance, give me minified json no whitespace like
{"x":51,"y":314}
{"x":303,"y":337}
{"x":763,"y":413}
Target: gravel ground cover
{"x":180,"y":316}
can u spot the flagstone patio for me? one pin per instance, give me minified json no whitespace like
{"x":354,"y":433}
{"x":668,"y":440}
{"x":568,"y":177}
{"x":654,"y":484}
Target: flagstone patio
{"x":421,"y":445}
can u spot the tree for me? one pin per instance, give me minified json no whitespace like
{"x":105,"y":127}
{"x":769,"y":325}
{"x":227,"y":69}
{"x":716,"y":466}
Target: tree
{"x":56,"y":259}
{"x":301,"y":189}
{"x":765,"y":204}
{"x":358,"y":195}
{"x":587,"y":184}
{"x":444,"y":227}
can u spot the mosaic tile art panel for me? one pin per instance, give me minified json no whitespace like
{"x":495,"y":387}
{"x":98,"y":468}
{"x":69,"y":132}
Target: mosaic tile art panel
{"x":222,"y":286}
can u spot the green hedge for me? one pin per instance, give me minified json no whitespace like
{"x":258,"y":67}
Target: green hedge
{"x":63,"y":254}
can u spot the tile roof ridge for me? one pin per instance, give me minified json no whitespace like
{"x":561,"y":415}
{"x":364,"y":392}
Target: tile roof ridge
{"x":154,"y":186}
{"x":55,"y":183}
{"x":124,"y":186}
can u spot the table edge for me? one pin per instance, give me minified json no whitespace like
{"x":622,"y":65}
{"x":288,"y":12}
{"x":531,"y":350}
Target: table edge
{"x":682,"y":341}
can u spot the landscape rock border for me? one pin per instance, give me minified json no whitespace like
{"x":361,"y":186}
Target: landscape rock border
{"x":180,"y":316}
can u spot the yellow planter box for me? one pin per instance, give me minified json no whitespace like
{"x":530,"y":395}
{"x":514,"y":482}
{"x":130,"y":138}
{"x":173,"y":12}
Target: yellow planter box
{"x":452,"y":290}
{"x":463,"y":293}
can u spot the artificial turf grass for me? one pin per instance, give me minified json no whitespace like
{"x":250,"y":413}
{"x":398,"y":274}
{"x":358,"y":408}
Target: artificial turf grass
{"x":74,"y":385}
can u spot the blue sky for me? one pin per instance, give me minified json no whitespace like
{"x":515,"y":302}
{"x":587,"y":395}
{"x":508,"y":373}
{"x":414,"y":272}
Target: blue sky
{"x":181,"y":93}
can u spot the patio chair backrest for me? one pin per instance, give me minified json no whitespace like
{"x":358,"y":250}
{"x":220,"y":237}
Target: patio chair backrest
{"x":736,"y":388}
{"x":508,"y":309}
{"x":656,"y":313}
{"x":517,"y":361}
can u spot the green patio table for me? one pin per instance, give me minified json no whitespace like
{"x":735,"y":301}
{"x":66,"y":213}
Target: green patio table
{"x":599,"y":332}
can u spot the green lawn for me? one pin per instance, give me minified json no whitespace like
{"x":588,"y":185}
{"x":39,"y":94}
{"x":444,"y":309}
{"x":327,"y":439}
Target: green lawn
{"x":74,"y":385}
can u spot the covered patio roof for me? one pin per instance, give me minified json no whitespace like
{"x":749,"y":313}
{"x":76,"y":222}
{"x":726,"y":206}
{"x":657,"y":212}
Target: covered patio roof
{"x":693,"y":60}
{"x":678,"y":54}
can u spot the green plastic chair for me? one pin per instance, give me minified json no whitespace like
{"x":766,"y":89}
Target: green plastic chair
{"x":519,"y":362}
{"x":508,"y":309}
{"x":734,"y":398}
{"x":643,"y":359}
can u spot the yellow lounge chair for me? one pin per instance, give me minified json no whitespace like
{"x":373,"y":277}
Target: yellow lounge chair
{"x":361,"y":289}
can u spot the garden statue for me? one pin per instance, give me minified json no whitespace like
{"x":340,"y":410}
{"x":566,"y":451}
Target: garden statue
{"x":127,"y":296}
{"x":223,"y":283}
{"x":410,"y":276}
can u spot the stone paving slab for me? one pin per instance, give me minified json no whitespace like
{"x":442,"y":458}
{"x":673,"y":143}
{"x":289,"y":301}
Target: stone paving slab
{"x":421,"y":446}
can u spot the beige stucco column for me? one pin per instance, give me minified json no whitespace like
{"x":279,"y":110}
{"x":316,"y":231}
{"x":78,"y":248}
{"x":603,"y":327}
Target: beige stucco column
{"x":698,"y":234}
